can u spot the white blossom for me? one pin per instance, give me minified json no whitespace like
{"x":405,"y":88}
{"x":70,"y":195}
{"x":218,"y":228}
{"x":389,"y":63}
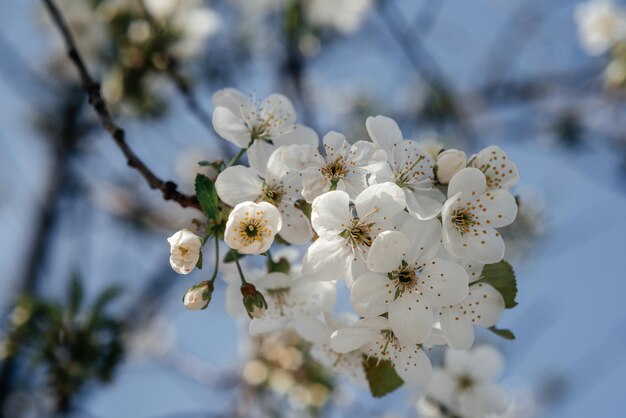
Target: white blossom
{"x":318,"y":333}
{"x":465,"y":385}
{"x":409,"y":166}
{"x":375,"y":338}
{"x":600,"y":24}
{"x":277,"y":185}
{"x":344,"y":16}
{"x":499,"y":171}
{"x":345,"y":235}
{"x":260,"y":127}
{"x":408,"y":281}
{"x":289,"y":297}
{"x":471,"y":214}
{"x":483,"y":307}
{"x":185,"y":249}
{"x":449,"y":162}
{"x":342,"y":167}
{"x":251,"y":227}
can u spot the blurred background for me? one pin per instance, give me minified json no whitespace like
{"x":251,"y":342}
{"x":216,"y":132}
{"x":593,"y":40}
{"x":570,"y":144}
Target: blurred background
{"x":92,"y":323}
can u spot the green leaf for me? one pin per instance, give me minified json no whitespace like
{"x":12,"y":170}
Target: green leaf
{"x":281,"y":266}
{"x":501,"y":276}
{"x":381,"y":376}
{"x":199,"y":263}
{"x":507,"y":334}
{"x":207,"y":196}
{"x":231,"y":256}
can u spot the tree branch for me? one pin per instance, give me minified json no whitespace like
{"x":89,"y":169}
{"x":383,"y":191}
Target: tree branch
{"x":167,"y":188}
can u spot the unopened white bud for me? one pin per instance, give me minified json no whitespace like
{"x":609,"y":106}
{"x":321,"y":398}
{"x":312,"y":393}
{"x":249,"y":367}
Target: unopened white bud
{"x":184,"y":251}
{"x":449,"y":162}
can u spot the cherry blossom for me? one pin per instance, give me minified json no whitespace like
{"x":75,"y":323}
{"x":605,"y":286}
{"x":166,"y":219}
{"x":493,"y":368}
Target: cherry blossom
{"x":409,"y":166}
{"x":251,"y":227}
{"x":346,"y":233}
{"x":471,"y":214}
{"x":408,"y":281}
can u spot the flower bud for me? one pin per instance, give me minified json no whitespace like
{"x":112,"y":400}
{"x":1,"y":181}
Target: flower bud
{"x":449,"y":162}
{"x":198,"y":296}
{"x":253,"y":300}
{"x":184,"y":251}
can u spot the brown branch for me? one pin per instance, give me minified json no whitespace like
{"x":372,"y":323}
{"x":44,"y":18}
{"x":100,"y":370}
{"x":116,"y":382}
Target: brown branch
{"x":167,"y":188}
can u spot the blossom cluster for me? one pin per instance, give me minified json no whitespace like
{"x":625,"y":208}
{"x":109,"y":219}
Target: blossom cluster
{"x":411,"y":231}
{"x":602,"y":29}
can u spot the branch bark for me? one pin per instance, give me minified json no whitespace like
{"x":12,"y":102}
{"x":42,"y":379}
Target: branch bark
{"x":168,"y":189}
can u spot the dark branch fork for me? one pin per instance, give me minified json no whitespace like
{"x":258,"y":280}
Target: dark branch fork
{"x":167,"y":188}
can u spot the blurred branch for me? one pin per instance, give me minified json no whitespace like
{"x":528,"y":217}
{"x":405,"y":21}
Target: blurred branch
{"x":180,"y":82}
{"x":167,"y":188}
{"x":425,"y":64}
{"x":427,"y":16}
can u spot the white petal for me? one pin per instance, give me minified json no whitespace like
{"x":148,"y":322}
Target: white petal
{"x":495,"y":209}
{"x":501,"y":172}
{"x":411,"y":319}
{"x":493,"y":398}
{"x":486,"y":363}
{"x":259,"y":154}
{"x":371,"y":294}
{"x":349,"y":339}
{"x":383,"y":131}
{"x":282,"y":112}
{"x":457,"y":361}
{"x":265,"y":324}
{"x":313,"y":330}
{"x":380,"y":201}
{"x":470,"y":181}
{"x":296,"y":226}
{"x":425,"y":239}
{"x":272,"y":215}
{"x":326,"y":259}
{"x":364,"y":154}
{"x":231,"y":127}
{"x":453,"y":241}
{"x":412,"y":365}
{"x":232,"y":99}
{"x":302,"y":135}
{"x":443,"y":282}
{"x":457,"y":330}
{"x":484,"y":245}
{"x":387,"y":252}
{"x":238,"y":184}
{"x":421,"y":205}
{"x":330,"y":214}
{"x":441,"y":387}
{"x":484,"y":305}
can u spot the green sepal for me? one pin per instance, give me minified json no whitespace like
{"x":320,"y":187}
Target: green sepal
{"x":502,"y":277}
{"x":207,"y":196}
{"x":507,"y":334}
{"x":381,"y":376}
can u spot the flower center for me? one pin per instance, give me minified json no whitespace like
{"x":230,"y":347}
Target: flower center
{"x":183,"y":250}
{"x":252,"y":230}
{"x":272,"y":194}
{"x":335,"y":170}
{"x":465,"y":382}
{"x":462,"y":220}
{"x":407,"y":174}
{"x":405,"y":278}
{"x":359,"y":233}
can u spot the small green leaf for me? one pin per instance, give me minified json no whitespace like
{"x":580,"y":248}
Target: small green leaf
{"x":507,"y":334}
{"x":501,"y":276}
{"x":231,"y":256}
{"x":381,"y":376}
{"x":207,"y":196}
{"x":75,"y":294}
{"x":204,"y":163}
{"x":281,"y":266}
{"x":199,"y":263}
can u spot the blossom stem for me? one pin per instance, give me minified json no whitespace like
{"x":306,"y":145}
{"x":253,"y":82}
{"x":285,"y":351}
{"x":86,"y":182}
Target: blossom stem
{"x":236,"y":157}
{"x":217,"y":259}
{"x":243,"y":279}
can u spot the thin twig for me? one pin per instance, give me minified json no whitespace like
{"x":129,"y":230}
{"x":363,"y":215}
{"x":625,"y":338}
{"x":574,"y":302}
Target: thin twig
{"x":167,"y":188}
